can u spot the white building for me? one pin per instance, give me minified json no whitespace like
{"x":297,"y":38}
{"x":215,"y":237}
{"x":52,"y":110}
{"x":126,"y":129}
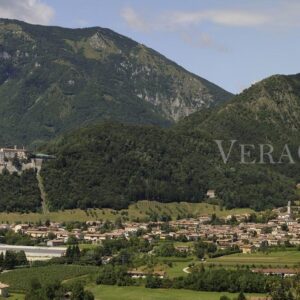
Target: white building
{"x":211,"y":194}
{"x":35,"y":253}
{"x":10,"y":153}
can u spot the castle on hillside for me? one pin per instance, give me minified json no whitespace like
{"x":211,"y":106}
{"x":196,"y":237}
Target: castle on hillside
{"x":10,"y":153}
{"x":27,"y":160}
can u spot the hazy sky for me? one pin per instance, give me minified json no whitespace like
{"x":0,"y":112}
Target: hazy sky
{"x":229,"y":42}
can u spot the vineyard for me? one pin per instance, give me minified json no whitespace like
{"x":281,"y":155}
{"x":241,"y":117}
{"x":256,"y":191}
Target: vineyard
{"x":19,"y":280}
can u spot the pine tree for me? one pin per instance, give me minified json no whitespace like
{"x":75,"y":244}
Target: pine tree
{"x":1,"y":260}
{"x":21,"y":258}
{"x":10,"y":260}
{"x":76,"y":252}
{"x":241,"y":296}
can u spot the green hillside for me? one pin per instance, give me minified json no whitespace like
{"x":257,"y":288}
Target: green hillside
{"x":266,"y":113}
{"x":112,"y":165}
{"x":55,"y":79}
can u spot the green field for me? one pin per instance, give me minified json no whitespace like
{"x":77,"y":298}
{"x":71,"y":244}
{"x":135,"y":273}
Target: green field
{"x":59,"y":216}
{"x":275,"y":258}
{"x":104,"y":292}
{"x":20,"y":279}
{"x":88,"y":246}
{"x":177,"y":269}
{"x":141,"y":210}
{"x":178,"y":264}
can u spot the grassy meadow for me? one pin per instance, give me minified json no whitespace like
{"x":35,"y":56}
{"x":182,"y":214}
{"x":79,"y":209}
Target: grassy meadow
{"x":288,"y":258}
{"x":177,"y":265}
{"x":139,"y":210}
{"x":103,"y":292}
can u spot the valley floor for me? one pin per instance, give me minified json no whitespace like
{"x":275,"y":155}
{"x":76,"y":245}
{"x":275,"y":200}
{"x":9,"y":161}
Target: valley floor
{"x":287,"y":258}
{"x":139,"y":210}
{"x":103,"y":292}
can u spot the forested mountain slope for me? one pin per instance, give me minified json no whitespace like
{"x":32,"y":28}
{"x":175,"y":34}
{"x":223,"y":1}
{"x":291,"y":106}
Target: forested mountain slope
{"x":112,"y":165}
{"x":55,"y":79}
{"x":266,"y":113}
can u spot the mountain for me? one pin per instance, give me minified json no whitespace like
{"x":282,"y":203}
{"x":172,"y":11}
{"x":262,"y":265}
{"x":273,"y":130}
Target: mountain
{"x":55,"y":79}
{"x":268,"y":111}
{"x":114,"y":164}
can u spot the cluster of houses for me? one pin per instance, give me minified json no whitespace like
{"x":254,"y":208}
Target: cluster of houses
{"x":247,"y":236}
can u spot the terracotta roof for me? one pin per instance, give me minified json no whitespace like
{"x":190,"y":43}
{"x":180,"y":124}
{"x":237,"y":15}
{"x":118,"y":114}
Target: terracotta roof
{"x":3,"y":285}
{"x":138,"y":272}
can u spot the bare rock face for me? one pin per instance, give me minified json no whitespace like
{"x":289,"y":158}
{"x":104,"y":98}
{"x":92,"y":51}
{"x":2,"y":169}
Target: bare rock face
{"x":176,"y":93}
{"x":97,"y":42}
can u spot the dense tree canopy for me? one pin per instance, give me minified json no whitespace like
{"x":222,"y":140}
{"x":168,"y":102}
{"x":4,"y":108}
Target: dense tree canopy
{"x":112,"y":165}
{"x":19,"y":192}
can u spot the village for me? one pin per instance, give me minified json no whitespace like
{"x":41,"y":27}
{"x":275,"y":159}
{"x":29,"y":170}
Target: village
{"x":247,"y":236}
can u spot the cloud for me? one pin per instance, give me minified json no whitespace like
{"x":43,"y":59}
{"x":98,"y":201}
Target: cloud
{"x":181,"y":19}
{"x":31,"y":11}
{"x":221,"y":17}
{"x":281,"y":14}
{"x":133,"y":20}
{"x":202,"y":40}
{"x":140,"y":23}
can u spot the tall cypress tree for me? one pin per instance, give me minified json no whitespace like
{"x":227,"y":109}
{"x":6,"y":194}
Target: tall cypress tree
{"x":1,"y":260}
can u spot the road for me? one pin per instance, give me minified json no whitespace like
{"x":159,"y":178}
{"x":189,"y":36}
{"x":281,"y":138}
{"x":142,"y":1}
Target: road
{"x":186,"y":270}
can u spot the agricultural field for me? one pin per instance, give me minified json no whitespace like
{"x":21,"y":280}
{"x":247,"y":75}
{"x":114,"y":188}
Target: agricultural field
{"x":177,"y":269}
{"x":175,"y":209}
{"x":88,"y":246}
{"x":59,"y":216}
{"x":177,"y":265}
{"x":20,"y":279}
{"x":103,"y":292}
{"x":173,"y":266}
{"x":288,"y":258}
{"x":139,"y":210}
